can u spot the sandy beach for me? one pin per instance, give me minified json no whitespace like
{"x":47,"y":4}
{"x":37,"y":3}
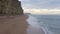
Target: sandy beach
{"x":13,"y":25}
{"x":17,"y":25}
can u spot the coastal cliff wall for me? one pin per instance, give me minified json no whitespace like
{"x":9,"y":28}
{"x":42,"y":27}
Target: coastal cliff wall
{"x":10,"y":7}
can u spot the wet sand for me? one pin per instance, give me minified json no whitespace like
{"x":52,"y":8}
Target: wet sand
{"x":34,"y":30}
{"x":17,"y":25}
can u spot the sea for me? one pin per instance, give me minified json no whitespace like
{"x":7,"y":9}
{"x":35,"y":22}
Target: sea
{"x":50,"y":24}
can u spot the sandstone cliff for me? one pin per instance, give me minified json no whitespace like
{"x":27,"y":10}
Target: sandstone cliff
{"x":10,"y":7}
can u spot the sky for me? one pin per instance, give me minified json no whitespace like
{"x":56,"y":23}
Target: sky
{"x":41,"y":6}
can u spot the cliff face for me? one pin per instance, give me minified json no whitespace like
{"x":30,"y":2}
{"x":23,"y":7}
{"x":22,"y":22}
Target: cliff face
{"x":10,"y":7}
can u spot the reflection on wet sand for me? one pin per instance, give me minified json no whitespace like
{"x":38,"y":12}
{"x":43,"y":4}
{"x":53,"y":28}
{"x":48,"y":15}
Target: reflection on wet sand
{"x":34,"y":30}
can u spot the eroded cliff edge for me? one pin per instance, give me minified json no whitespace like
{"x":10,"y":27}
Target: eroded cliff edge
{"x":10,"y":7}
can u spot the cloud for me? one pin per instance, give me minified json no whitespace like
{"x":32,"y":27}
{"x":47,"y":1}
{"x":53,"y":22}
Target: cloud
{"x":43,"y":4}
{"x":42,"y":11}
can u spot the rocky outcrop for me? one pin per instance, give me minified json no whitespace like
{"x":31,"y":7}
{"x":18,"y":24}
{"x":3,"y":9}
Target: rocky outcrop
{"x":10,"y":7}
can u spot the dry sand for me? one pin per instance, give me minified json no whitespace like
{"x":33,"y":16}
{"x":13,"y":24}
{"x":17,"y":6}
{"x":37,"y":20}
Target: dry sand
{"x":13,"y":25}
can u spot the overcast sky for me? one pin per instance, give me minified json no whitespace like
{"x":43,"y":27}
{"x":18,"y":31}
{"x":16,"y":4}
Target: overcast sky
{"x":41,"y":4}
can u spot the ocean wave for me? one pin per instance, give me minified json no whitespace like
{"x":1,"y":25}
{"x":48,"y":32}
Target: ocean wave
{"x":49,"y":24}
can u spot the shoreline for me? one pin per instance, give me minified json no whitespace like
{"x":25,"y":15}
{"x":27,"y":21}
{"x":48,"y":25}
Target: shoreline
{"x":33,"y":28}
{"x":17,"y":25}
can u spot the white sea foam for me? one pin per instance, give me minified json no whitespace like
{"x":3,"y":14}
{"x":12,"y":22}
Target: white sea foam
{"x":34,"y":27}
{"x":34,"y":24}
{"x":32,"y":21}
